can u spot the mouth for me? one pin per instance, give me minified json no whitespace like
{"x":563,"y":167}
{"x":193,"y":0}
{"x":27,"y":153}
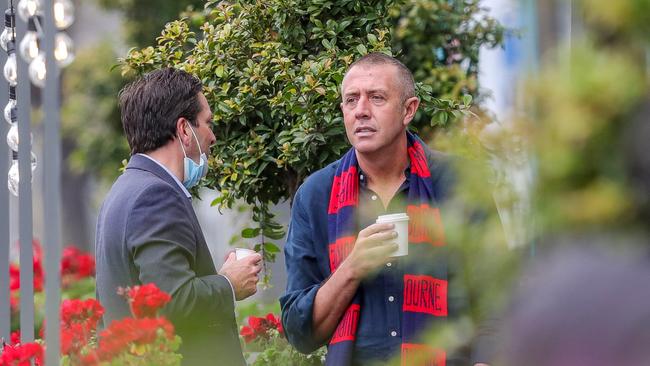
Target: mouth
{"x":364,"y":131}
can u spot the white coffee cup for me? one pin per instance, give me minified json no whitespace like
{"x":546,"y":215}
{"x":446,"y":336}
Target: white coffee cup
{"x":401,"y":221}
{"x":241,"y":253}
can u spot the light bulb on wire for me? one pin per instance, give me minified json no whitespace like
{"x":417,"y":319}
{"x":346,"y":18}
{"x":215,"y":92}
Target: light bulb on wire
{"x":63,"y":49}
{"x":12,"y":138}
{"x":10,"y":112}
{"x":10,"y":69}
{"x":29,"y":46}
{"x":13,"y":177}
{"x":37,"y":71}
{"x":28,"y":8}
{"x":8,"y":33}
{"x":63,"y":13}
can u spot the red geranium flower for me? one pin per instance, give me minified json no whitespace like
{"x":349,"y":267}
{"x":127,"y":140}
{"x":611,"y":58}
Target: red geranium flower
{"x":86,"y":313}
{"x":121,"y":334}
{"x":274,"y":322}
{"x":14,"y":277}
{"x":258,"y":327}
{"x":14,"y":270}
{"x":15,"y":337}
{"x":22,"y":355}
{"x":38,"y":265}
{"x":13,"y":302}
{"x":76,"y":263}
{"x":73,"y":339}
{"x":146,"y":300}
{"x":79,"y":320}
{"x":90,"y":359}
{"x":248,"y":334}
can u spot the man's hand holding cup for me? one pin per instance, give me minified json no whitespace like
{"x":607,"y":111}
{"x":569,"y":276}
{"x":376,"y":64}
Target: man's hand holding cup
{"x":242,"y":268}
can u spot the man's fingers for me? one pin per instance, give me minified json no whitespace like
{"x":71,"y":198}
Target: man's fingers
{"x":231,"y":257}
{"x":253,"y":258}
{"x":382,"y":251}
{"x":375,"y":228}
{"x":227,"y":255}
{"x":379,"y":238}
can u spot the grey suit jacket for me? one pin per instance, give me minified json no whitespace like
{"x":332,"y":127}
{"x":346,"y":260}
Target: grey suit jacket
{"x":147,"y":232}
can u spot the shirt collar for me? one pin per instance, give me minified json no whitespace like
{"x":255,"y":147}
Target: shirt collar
{"x":187,"y":193}
{"x":363,"y":182}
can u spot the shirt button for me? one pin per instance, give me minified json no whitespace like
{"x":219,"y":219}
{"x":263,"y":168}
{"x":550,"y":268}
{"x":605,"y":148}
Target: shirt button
{"x":373,"y":197}
{"x":391,"y":298}
{"x":393,"y":334}
{"x":389,"y":264}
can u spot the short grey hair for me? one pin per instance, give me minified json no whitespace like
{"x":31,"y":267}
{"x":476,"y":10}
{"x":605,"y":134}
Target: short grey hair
{"x":404,"y":75}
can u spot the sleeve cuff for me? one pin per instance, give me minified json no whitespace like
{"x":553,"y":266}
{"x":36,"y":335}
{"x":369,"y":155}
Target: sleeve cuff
{"x":234,"y":299}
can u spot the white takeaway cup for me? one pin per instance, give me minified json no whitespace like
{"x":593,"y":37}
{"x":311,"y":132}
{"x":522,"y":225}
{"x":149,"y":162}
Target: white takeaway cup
{"x":401,"y":221}
{"x":241,"y":253}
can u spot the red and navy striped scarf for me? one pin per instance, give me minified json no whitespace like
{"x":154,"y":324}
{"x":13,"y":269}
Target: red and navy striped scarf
{"x":425,"y":281}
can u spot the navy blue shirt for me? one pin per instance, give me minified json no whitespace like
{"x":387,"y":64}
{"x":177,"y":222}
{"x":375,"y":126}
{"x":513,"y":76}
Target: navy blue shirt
{"x":307,"y":261}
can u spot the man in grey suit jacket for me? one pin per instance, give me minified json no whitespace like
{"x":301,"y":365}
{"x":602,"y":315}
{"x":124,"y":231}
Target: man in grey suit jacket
{"x":147,"y":231}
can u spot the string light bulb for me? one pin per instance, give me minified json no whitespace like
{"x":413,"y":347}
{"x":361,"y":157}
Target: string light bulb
{"x":13,"y":177}
{"x":63,"y":13}
{"x":29,"y":46}
{"x":13,"y":139}
{"x":28,"y":8}
{"x":63,"y":49}
{"x":11,"y":107}
{"x":8,"y":33}
{"x":37,"y":71}
{"x":10,"y":69}
{"x":10,"y":111}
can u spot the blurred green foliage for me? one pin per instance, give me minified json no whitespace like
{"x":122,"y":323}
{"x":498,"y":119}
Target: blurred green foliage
{"x":439,"y":42}
{"x":143,"y":19}
{"x":585,"y":110}
{"x":90,"y":115}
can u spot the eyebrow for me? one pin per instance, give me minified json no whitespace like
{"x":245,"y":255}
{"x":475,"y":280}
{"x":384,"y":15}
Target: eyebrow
{"x":380,"y":91}
{"x":370,"y":91}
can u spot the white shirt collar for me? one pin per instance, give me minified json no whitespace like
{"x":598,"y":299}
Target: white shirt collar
{"x":187,"y":193}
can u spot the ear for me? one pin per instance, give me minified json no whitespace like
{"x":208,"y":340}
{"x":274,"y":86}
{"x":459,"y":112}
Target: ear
{"x":181,"y":132}
{"x":410,"y":108}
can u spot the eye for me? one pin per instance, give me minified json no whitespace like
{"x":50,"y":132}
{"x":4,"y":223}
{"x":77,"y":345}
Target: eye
{"x":350,"y":100}
{"x":377,"y":98}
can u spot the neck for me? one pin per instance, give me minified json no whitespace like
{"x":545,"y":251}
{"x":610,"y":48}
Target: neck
{"x":384,"y":167}
{"x":171,"y":157}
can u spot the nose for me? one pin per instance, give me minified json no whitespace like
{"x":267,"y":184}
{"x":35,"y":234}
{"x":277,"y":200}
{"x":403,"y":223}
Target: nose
{"x":362,"y":110}
{"x":213,"y":138}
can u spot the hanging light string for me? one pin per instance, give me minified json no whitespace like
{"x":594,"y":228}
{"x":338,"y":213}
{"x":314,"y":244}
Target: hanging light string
{"x":30,"y":50}
{"x":8,"y":43}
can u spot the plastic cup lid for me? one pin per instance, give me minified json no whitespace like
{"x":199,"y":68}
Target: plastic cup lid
{"x":393,"y":217}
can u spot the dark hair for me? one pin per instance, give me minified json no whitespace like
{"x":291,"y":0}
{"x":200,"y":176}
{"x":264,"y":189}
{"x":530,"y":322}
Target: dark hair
{"x":151,"y":105}
{"x":405,"y":77}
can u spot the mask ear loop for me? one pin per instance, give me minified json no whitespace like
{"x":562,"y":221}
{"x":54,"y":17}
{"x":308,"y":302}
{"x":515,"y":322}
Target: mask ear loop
{"x":182,"y":148}
{"x":197,"y":141}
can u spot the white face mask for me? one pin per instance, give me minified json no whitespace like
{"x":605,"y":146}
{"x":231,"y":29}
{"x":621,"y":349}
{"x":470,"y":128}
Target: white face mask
{"x":192,"y":171}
